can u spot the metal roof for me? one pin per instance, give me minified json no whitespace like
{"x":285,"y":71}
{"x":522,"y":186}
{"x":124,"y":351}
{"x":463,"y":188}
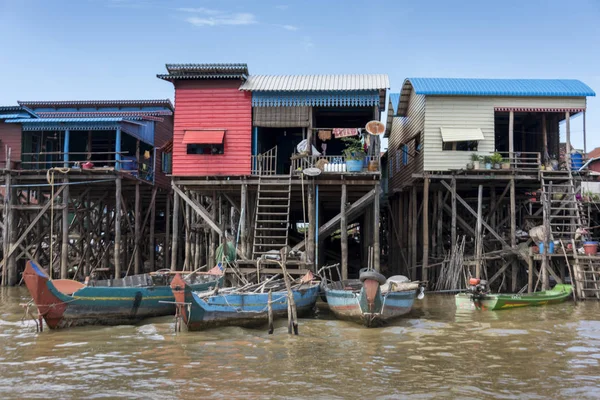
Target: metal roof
{"x":12,"y":116}
{"x":101,"y":114}
{"x":500,"y":87}
{"x":102,"y":103}
{"x":308,"y":83}
{"x":10,"y":108}
{"x":394,"y":99}
{"x":67,"y":120}
{"x":216,"y":68}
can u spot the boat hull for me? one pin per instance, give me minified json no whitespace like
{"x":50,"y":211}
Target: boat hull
{"x":239,"y":309}
{"x":354,"y":306}
{"x":494,"y":302}
{"x":99,"y":305}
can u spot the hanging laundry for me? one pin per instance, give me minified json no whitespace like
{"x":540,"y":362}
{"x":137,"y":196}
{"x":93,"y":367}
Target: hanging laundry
{"x":325,"y":135}
{"x":344,"y":132}
{"x":324,"y":148}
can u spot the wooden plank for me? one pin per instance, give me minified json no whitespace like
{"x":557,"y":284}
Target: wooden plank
{"x":202,"y":212}
{"x":232,"y":202}
{"x":330,"y":226}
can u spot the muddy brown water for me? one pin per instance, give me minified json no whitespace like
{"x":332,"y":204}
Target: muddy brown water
{"x":435,"y":352}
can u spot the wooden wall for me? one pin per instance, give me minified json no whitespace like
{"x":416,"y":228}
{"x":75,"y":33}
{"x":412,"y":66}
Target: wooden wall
{"x":213,"y":104}
{"x":10,"y":135}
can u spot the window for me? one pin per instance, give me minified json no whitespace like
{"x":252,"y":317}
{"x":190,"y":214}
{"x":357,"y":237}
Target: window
{"x":405,"y":154}
{"x":167,"y":163}
{"x":468,"y":145}
{"x":398,"y":160}
{"x":205,"y":142}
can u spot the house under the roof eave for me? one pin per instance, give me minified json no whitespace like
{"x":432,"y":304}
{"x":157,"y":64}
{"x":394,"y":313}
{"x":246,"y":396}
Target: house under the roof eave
{"x":476,"y":111}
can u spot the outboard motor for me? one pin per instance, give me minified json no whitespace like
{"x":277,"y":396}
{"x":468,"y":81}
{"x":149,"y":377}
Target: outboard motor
{"x":478,"y":287}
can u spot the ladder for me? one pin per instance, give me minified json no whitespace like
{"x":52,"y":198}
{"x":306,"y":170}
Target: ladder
{"x":566,"y":213}
{"x":271,"y":223}
{"x":587,"y":275}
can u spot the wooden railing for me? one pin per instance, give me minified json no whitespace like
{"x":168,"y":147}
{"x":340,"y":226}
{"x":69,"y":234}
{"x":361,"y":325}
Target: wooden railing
{"x":265,"y":163}
{"x":332,"y":164}
{"x":523,"y":160}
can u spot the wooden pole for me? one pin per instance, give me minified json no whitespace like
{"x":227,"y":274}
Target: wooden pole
{"x":568,"y":134}
{"x":344,"y":232}
{"x":545,"y":137}
{"x":243,"y":219}
{"x":425,"y":263}
{"x":511,"y":136}
{"x":187,"y":217}
{"x":413,"y":233}
{"x":117,"y":248}
{"x":530,"y":272}
{"x":584,"y":136}
{"x":64,"y":250}
{"x":175,"y":238}
{"x":137,"y":240}
{"x":513,"y":232}
{"x":479,"y":237}
{"x":312,"y":221}
{"x":376,"y":231}
{"x":547,"y":235}
{"x":152,"y":239}
{"x":270,"y":311}
{"x":453,"y":223}
{"x":167,"y":239}
{"x":5,"y":219}
{"x":214,"y":237}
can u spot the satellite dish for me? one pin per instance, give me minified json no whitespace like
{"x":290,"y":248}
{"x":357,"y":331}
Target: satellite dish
{"x":312,"y":171}
{"x":375,"y":127}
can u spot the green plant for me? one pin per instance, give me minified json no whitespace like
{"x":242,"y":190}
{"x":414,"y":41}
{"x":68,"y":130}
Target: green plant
{"x":353,"y":149}
{"x":496,"y":158}
{"x":487,"y":159}
{"x":475,"y":157}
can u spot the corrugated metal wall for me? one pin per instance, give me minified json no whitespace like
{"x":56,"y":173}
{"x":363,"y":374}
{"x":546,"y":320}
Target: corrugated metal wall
{"x":213,"y":105}
{"x":404,"y":128}
{"x":10,"y":135}
{"x":163,"y":132}
{"x":472,"y":112}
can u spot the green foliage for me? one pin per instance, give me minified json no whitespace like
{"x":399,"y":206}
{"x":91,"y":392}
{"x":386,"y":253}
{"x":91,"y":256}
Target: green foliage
{"x":475,"y":157}
{"x":354,"y":149}
{"x":496,"y":158}
{"x":487,"y":159}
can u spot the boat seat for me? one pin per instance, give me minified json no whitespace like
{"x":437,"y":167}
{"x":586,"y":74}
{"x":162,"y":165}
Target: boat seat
{"x":67,"y":286}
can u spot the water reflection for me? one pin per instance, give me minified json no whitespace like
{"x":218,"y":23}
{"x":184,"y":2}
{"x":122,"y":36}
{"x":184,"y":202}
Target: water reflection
{"x":435,"y":352}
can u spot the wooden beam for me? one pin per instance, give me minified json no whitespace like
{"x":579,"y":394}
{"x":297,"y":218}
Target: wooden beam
{"x":568,"y":137}
{"x":243,"y":218}
{"x":376,"y":243}
{"x":64,"y":248}
{"x":413,"y":233}
{"x":344,"y":233}
{"x":175,"y":238}
{"x":425,"y":262}
{"x":453,"y":213}
{"x":232,"y":202}
{"x":330,"y":226}
{"x":511,"y":135}
{"x":545,"y":137}
{"x":117,"y":211}
{"x":200,"y":210}
{"x":498,"y":201}
{"x":138,"y":230}
{"x":479,"y":236}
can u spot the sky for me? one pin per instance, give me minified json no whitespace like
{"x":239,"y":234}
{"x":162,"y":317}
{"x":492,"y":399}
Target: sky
{"x":113,"y":49}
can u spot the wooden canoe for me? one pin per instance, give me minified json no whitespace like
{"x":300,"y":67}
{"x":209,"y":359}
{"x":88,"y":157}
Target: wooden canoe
{"x":503,"y":301}
{"x":64,"y":303}
{"x":206,"y":310}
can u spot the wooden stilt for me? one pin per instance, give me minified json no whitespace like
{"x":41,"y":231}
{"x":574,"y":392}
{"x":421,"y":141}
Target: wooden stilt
{"x":312,"y":221}
{"x":544,"y":138}
{"x":152,"y":238}
{"x":568,"y":137}
{"x":117,"y":248}
{"x":511,"y":136}
{"x":137,"y":266}
{"x":344,"y":232}
{"x":64,"y":250}
{"x":376,"y":230}
{"x":187,"y":234}
{"x":167,"y":239}
{"x":214,"y":237}
{"x":479,"y":237}
{"x":243,"y":219}
{"x":513,"y":233}
{"x":425,"y":263}
{"x":413,"y":233}
{"x":175,"y":238}
{"x":530,"y":273}
{"x":453,"y":216}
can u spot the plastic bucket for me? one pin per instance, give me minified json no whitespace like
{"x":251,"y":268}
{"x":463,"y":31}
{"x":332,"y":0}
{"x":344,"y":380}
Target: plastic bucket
{"x":576,"y":161}
{"x":550,"y":248}
{"x":590,"y":248}
{"x":354,"y":165}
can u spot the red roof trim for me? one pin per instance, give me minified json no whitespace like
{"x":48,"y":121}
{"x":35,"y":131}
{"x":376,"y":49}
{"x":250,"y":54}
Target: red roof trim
{"x":203,"y":137}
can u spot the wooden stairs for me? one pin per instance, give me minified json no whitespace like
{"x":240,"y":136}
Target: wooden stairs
{"x":271,"y":224}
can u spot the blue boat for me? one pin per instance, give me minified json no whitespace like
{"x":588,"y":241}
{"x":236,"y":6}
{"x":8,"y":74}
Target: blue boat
{"x":371,"y":300}
{"x":64,"y":302}
{"x":208,"y":310}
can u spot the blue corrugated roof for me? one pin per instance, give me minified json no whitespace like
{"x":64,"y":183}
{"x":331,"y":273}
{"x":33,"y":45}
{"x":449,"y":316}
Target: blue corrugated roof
{"x":501,"y":87}
{"x":395,"y":99}
{"x":12,"y":116}
{"x":66,"y":120}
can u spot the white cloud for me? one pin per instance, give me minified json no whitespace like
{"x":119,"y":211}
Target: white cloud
{"x":223,"y":19}
{"x":200,"y":10}
{"x":289,"y":27}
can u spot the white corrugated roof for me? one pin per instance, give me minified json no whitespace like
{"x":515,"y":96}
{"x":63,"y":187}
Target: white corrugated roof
{"x":461,"y":134}
{"x":298,"y":83}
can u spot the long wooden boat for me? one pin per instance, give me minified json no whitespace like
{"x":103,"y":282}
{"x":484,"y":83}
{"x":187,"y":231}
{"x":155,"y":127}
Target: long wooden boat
{"x":64,"y":303}
{"x":503,"y":301}
{"x":371,"y":302}
{"x":207,"y":310}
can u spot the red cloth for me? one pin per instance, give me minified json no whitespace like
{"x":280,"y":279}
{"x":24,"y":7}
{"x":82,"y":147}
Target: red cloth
{"x":344,"y":132}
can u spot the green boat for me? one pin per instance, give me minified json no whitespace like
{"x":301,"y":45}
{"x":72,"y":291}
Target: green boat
{"x":502,"y":301}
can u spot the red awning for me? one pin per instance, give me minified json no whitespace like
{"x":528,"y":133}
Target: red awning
{"x":203,"y":137}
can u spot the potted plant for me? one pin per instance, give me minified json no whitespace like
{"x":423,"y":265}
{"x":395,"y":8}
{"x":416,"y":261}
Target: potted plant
{"x":475,"y":160}
{"x":487,"y":160}
{"x":496,"y":160}
{"x":354,"y":154}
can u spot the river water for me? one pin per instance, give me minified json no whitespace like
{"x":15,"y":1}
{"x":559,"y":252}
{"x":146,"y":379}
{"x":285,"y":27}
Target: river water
{"x":435,"y":352}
